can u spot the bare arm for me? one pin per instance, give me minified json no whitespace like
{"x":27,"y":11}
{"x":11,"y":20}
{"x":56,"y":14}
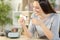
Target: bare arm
{"x":26,"y":32}
{"x":47,"y":32}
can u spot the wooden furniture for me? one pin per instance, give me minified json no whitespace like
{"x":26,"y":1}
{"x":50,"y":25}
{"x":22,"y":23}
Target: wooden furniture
{"x":21,"y":38}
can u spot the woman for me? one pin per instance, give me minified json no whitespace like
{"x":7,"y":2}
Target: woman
{"x":44,"y":20}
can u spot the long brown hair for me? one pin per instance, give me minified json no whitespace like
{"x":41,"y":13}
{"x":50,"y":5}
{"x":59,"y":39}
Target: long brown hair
{"x":46,"y":6}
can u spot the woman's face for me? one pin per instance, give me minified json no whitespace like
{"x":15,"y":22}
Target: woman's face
{"x":36,"y":8}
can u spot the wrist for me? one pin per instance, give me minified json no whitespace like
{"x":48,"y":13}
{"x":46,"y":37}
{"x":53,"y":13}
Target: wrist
{"x":23,"y":25}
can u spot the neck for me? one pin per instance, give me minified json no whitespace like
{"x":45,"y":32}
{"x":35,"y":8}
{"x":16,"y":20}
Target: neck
{"x":43,"y":15}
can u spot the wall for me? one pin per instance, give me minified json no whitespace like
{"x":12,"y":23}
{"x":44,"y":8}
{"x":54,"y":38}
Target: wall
{"x":15,"y":4}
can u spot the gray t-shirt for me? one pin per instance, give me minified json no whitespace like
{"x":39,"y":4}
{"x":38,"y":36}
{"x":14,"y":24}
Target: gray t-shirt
{"x":51,"y":23}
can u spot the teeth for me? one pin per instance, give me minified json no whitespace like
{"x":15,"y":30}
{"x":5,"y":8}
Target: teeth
{"x":23,"y":17}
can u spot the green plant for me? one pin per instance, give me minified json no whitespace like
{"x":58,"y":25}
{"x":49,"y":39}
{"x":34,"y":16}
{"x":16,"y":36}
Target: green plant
{"x":17,"y":17}
{"x":5,"y":8}
{"x":53,"y":2}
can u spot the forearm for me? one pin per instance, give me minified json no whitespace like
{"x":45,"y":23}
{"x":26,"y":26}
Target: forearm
{"x":27,"y":33}
{"x":47,"y":32}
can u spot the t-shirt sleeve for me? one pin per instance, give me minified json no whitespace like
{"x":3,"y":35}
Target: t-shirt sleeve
{"x":55,"y":28}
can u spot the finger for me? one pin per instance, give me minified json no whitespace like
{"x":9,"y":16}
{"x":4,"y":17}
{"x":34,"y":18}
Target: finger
{"x":20,"y":20}
{"x":37,"y":10}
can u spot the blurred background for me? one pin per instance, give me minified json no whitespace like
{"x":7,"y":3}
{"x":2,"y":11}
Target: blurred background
{"x":10,"y":11}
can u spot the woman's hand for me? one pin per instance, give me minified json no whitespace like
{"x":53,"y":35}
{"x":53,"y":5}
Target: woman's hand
{"x":37,"y":9}
{"x":21,"y":21}
{"x":36,"y":22}
{"x":46,"y":31}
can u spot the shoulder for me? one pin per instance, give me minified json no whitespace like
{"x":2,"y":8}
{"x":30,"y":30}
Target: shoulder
{"x":56,"y":17}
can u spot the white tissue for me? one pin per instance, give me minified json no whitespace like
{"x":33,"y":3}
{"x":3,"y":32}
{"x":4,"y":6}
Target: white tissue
{"x":23,"y":17}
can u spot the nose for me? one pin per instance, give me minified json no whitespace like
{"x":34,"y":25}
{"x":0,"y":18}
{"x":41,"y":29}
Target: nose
{"x":35,"y":5}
